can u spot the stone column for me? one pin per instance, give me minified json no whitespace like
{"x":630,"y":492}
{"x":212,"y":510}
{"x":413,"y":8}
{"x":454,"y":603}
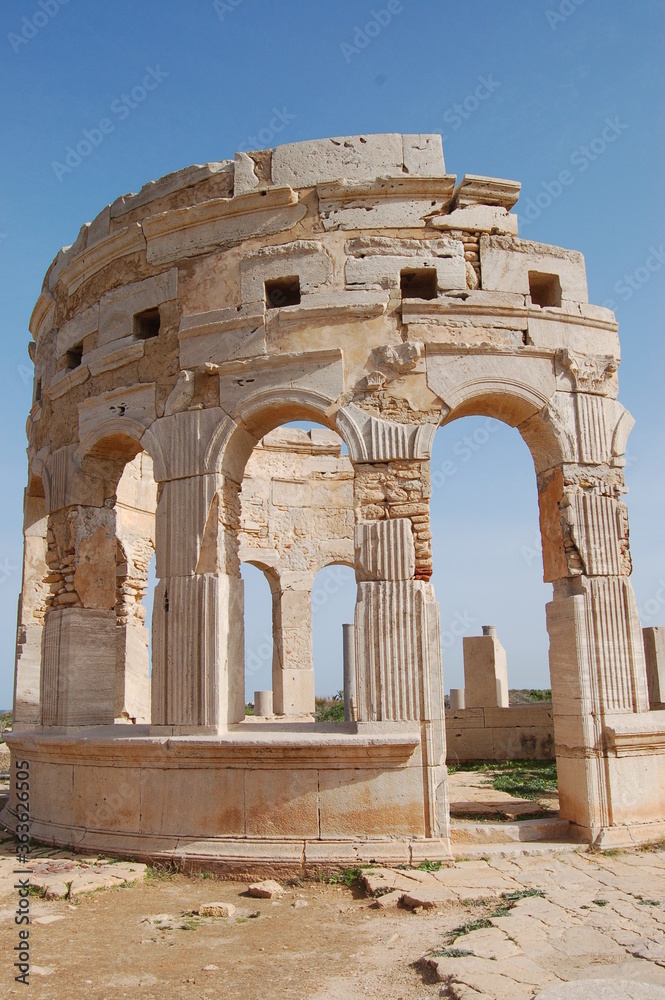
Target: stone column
{"x":350,"y":691}
{"x":654,"y":649}
{"x":198,"y":657}
{"x":485,"y":670}
{"x":79,"y":661}
{"x":398,"y":641}
{"x":597,"y":662}
{"x":293,"y":656}
{"x":31,"y":614}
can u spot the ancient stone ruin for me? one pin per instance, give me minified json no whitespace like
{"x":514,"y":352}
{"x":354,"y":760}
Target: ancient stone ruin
{"x":353,"y":283}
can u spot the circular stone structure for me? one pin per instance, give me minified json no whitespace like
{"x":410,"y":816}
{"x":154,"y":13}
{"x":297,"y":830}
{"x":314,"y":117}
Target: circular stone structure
{"x":354,"y":283}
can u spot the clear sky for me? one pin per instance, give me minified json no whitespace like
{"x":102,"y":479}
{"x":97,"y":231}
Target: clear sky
{"x":523,"y":89}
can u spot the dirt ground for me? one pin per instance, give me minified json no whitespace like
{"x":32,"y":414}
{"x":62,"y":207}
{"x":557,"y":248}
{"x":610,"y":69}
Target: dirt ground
{"x":336,"y":946}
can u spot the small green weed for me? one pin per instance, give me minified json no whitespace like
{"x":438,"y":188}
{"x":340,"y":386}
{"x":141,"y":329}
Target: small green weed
{"x":600,"y":902}
{"x":347,"y":876}
{"x":429,"y":866}
{"x":453,"y":953}
{"x":513,"y":897}
{"x":161,"y":873}
{"x":473,"y":925}
{"x":648,"y":902}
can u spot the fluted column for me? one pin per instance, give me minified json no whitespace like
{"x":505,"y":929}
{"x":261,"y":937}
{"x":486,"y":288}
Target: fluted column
{"x":398,"y":642}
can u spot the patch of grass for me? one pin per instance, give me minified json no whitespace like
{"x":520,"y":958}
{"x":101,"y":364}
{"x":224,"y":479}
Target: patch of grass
{"x":601,"y":902}
{"x":253,"y":916}
{"x":348,"y":877}
{"x":648,"y":902}
{"x":453,"y":953}
{"x":161,"y":873}
{"x":38,"y":891}
{"x":190,"y":924}
{"x":509,"y":899}
{"x":527,"y":779}
{"x":330,"y":709}
{"x":249,"y":709}
{"x":652,"y":847}
{"x":429,"y":866}
{"x":513,"y":897}
{"x":472,"y":925}
{"x":383,"y":891}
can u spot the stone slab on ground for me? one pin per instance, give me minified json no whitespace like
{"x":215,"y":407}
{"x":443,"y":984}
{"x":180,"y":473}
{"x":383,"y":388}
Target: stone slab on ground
{"x":603,"y":989}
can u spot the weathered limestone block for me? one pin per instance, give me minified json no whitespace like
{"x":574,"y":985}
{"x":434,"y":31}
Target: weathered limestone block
{"x":196,"y":502}
{"x":485,"y":671}
{"x":372,"y":439}
{"x":384,"y":203}
{"x":599,"y":532}
{"x":479,"y":218}
{"x":133,"y":406}
{"x":179,"y":444}
{"x":95,"y":564}
{"x":396,"y":623}
{"x":67,"y":484}
{"x":118,"y":308}
{"x":378,"y":262}
{"x":458,"y":379}
{"x":74,"y":331}
{"x":222,"y":335}
{"x":306,"y":164}
{"x":654,"y":650}
{"x":506,"y":263}
{"x":79,"y":668}
{"x":221,"y":223}
{"x":385,"y":550}
{"x":305,"y":259}
{"x":187,"y":179}
{"x":198,"y":655}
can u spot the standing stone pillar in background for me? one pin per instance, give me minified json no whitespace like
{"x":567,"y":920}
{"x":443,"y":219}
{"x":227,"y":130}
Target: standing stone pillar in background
{"x":350,"y":686}
{"x":485,"y":671}
{"x":293,"y":656}
{"x":654,"y":650}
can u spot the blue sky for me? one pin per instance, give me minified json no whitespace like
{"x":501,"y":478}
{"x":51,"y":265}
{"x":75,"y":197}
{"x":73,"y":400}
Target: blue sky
{"x":541,"y":87}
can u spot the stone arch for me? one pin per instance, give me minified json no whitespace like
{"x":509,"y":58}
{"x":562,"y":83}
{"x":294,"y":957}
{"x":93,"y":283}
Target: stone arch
{"x":261,"y":412}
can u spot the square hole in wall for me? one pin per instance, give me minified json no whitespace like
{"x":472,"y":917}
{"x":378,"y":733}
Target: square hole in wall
{"x":73,"y":357}
{"x":146,"y":324}
{"x":419,"y":283}
{"x":283,"y":292}
{"x":544,"y":289}
{"x":38,"y":391}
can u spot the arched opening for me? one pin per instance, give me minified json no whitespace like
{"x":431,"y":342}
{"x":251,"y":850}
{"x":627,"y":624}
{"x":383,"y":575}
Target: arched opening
{"x":259,"y":623}
{"x":296,"y":519}
{"x":488,"y":576}
{"x":34,"y":601}
{"x":333,"y":607}
{"x":135,"y":509}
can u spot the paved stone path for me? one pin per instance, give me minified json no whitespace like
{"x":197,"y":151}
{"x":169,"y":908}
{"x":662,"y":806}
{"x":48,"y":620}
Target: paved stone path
{"x":544,"y":920}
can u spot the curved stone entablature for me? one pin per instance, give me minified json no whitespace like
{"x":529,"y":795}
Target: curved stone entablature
{"x":351,"y":282}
